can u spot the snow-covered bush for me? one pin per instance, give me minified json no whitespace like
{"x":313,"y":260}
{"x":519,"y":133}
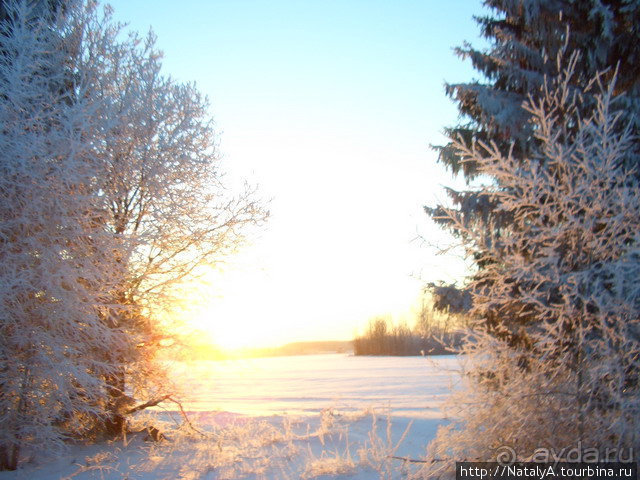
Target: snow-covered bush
{"x":57,"y":339}
{"x":110,"y":194}
{"x":563,"y":373}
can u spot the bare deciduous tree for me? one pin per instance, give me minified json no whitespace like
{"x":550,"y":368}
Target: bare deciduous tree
{"x":164,"y":188}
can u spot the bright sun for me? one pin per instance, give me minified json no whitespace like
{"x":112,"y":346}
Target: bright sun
{"x":271,"y":295}
{"x":232,"y":324}
{"x":237,"y":315}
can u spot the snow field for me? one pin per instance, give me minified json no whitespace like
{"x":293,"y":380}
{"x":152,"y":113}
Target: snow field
{"x":222,"y":446}
{"x":286,"y":418}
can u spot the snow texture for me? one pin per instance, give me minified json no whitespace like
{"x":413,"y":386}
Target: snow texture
{"x":357,"y":440}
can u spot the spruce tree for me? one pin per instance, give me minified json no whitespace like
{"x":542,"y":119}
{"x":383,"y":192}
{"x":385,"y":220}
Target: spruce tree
{"x":526,"y":38}
{"x":530,"y":41}
{"x":567,"y":265}
{"x":550,"y":151}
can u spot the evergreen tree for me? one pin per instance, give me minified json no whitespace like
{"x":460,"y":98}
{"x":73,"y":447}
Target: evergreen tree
{"x":565,"y":268}
{"x":526,"y":37}
{"x":528,"y":40}
{"x":551,"y":218}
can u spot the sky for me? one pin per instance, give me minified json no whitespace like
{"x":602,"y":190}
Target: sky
{"x":330,"y":107}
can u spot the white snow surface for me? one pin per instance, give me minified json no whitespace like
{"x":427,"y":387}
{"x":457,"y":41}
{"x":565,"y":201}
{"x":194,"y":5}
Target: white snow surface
{"x":285,"y":418}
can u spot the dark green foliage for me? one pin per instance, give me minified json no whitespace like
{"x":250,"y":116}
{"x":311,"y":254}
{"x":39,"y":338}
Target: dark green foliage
{"x":526,"y":38}
{"x":530,"y":41}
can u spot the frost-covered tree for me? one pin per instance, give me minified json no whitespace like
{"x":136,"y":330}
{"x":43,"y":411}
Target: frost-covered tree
{"x":111,"y":194}
{"x":564,"y":269}
{"x":58,"y":339}
{"x":525,"y":38}
{"x":534,"y":117}
{"x":165,"y":194}
{"x":43,"y":9}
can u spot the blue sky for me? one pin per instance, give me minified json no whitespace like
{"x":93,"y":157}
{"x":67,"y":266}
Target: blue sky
{"x":330,"y":106}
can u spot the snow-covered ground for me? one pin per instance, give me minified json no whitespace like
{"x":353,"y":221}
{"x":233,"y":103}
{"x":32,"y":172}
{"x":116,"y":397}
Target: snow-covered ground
{"x":304,"y":385}
{"x":286,"y":418}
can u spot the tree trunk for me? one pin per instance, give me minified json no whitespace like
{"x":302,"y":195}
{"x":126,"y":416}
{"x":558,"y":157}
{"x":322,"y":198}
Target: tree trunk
{"x":10,"y":452}
{"x":115,"y":420}
{"x":9,"y":457}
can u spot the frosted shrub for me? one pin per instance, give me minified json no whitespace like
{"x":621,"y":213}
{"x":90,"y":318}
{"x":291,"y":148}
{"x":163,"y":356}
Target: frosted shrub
{"x":562,"y":372}
{"x":57,"y":338}
{"x":111,"y":195}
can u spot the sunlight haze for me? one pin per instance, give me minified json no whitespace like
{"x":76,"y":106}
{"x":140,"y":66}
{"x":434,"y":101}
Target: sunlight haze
{"x":330,"y":107}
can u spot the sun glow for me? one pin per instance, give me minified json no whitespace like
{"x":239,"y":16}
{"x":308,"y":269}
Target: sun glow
{"x":231,"y":310}
{"x":238,"y":319}
{"x":258,"y":303}
{"x":341,"y":148}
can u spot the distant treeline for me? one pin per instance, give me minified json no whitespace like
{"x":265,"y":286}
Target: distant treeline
{"x":427,"y":338}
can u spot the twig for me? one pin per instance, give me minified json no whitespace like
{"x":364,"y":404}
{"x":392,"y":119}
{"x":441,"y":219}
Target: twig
{"x":434,"y":460}
{"x":164,"y":398}
{"x":184,"y":415}
{"x":150,"y":403}
{"x":413,"y":460}
{"x":84,"y":469}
